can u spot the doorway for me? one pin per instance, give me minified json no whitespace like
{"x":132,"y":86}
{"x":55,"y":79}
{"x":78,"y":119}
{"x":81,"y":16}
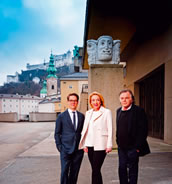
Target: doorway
{"x":151,"y":94}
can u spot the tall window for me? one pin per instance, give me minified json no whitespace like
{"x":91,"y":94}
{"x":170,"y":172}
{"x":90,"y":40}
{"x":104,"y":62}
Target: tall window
{"x":52,"y":87}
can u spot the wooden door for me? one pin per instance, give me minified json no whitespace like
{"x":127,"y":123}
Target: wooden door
{"x":152,"y":100}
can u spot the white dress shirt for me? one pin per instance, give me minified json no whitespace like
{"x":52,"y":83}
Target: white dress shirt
{"x":71,"y":116}
{"x":127,"y":108}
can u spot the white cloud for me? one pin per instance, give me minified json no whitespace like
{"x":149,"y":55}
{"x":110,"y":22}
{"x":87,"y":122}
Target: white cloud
{"x":3,"y":77}
{"x":61,"y":13}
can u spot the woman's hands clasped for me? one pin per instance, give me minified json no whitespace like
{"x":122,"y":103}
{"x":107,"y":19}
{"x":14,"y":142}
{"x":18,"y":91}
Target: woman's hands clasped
{"x":108,"y":150}
{"x":86,"y":150}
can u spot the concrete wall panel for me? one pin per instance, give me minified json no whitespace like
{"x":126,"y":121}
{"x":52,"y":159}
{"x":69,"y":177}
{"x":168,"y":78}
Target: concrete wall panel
{"x":37,"y":117}
{"x":9,"y":117}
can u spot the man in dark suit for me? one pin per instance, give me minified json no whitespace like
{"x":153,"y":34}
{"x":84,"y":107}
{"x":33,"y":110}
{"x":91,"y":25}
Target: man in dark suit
{"x":67,"y":135}
{"x":131,"y":134}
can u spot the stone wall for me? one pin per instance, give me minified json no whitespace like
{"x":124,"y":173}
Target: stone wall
{"x":37,"y":117}
{"x":9,"y":117}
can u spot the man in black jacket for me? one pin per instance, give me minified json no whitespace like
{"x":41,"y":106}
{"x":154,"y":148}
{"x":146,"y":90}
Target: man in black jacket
{"x":132,"y":130}
{"x":67,"y":135}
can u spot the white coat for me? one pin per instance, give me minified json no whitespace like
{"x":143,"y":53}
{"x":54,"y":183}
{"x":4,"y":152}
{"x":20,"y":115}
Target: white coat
{"x":102,"y":129}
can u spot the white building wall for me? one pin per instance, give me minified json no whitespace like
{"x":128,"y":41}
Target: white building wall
{"x":0,"y":105}
{"x":23,"y":106}
{"x":10,"y":105}
{"x":29,"y":105}
{"x":42,"y":95}
{"x":47,"y":107}
{"x":62,"y":60}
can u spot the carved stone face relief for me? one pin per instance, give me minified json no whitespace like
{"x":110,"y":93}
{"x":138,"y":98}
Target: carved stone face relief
{"x":91,"y":49}
{"x":105,"y":44}
{"x":105,"y":50}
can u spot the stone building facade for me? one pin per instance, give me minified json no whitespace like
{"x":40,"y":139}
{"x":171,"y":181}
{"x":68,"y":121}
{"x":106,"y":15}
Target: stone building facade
{"x":20,"y":104}
{"x":145,"y":57}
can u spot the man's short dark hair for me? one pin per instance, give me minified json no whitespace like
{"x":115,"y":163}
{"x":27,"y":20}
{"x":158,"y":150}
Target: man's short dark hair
{"x":73,"y":94}
{"x":131,"y":93}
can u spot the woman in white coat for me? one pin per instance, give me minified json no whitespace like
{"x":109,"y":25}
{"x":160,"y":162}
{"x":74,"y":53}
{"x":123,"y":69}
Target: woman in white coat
{"x":96,"y":138}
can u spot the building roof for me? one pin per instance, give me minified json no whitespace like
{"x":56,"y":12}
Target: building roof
{"x":53,"y":100}
{"x":44,"y":89}
{"x":19,"y":96}
{"x":12,"y":76}
{"x":76,"y":76}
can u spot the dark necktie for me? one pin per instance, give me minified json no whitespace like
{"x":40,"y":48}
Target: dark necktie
{"x":74,"y":120}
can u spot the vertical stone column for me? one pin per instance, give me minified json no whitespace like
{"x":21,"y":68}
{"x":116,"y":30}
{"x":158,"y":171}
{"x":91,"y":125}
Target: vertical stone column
{"x":107,"y":80}
{"x":168,"y":103}
{"x":105,"y":73}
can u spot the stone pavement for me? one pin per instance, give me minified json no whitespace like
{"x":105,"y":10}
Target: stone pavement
{"x":40,"y":165}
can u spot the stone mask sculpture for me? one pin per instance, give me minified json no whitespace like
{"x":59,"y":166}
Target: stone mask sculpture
{"x":105,"y":50}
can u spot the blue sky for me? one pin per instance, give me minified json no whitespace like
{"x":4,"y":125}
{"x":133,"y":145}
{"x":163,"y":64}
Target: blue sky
{"x":30,"y":29}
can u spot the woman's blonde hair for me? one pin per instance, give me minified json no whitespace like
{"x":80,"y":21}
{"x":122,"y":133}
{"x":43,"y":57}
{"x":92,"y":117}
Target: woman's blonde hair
{"x":100,"y":96}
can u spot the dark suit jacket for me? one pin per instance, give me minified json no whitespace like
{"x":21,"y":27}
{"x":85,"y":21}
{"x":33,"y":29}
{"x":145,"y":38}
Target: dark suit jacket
{"x":137,"y":129}
{"x":66,"y":138}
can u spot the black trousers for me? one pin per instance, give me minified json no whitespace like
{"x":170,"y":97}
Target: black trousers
{"x":128,"y":166}
{"x":96,"y":159}
{"x":70,"y":166}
